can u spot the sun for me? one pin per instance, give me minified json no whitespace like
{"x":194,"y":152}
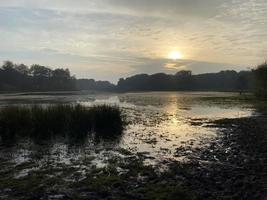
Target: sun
{"x":175,"y":55}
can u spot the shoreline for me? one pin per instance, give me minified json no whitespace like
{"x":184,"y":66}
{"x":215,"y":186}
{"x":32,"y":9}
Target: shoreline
{"x":236,"y":162}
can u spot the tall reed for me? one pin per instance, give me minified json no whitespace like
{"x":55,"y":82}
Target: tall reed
{"x":72,"y":122}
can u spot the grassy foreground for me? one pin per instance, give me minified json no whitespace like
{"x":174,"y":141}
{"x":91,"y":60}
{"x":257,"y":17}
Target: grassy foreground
{"x":69,"y":121}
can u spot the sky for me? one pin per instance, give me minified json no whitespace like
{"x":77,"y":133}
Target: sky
{"x":109,"y":39}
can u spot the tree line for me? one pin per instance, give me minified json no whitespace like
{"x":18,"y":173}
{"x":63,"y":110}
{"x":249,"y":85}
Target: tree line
{"x":185,"y":81}
{"x":254,"y":80}
{"x":19,"y":77}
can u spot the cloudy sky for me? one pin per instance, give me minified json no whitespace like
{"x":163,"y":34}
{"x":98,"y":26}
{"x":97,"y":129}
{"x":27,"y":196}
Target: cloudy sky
{"x":108,"y":39}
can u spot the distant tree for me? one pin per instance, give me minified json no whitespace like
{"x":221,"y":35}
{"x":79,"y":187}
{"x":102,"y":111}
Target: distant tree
{"x":139,"y":82}
{"x":23,"y":69}
{"x":40,"y":71}
{"x":8,"y":65}
{"x":41,"y":76}
{"x":241,"y":83}
{"x":120,"y":82}
{"x":91,"y":84}
{"x":62,"y":80}
{"x":228,"y":80}
{"x":260,"y":74}
{"x":184,"y":73}
{"x":184,"y":80}
{"x":18,"y":77}
{"x":8,"y":76}
{"x":61,"y":74}
{"x":86,"y":84}
{"x":158,"y":82}
{"x":13,"y":76}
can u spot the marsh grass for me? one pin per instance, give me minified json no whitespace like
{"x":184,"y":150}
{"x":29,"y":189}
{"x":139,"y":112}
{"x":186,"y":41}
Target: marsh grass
{"x":68,"y":121}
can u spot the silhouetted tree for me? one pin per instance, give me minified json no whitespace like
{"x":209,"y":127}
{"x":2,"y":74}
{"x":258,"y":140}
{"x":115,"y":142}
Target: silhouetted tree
{"x":23,"y":69}
{"x":8,"y":66}
{"x":184,"y":80}
{"x":158,"y":82}
{"x":261,"y":78}
{"x":241,"y":83}
{"x":184,"y":73}
{"x":11,"y":79}
{"x":62,"y":80}
{"x":39,"y":71}
{"x":91,"y":84}
{"x":37,"y":78}
{"x":41,"y":78}
{"x":138,"y":82}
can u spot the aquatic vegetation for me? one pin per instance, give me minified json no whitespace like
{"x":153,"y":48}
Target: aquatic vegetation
{"x":68,"y":121}
{"x":125,"y":178}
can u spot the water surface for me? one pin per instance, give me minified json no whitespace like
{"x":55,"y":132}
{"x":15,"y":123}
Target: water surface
{"x":159,"y":124}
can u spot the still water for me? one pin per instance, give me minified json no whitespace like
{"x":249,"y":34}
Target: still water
{"x":159,"y":123}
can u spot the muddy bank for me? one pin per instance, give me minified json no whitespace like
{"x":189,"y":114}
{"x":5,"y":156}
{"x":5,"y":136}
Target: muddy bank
{"x":234,"y":166}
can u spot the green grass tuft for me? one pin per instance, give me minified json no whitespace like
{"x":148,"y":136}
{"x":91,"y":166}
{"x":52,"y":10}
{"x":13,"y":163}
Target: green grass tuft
{"x":68,"y":121}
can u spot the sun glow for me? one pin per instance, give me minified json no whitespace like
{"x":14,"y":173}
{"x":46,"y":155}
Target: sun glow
{"x":175,"y":55}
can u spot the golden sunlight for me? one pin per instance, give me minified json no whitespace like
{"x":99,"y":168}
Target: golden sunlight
{"x":175,"y":55}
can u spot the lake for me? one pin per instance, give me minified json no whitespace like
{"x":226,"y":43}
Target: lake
{"x":159,"y":124}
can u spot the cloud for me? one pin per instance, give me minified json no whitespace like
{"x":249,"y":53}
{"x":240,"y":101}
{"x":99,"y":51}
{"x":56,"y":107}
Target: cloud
{"x":121,"y":37}
{"x":170,"y":8}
